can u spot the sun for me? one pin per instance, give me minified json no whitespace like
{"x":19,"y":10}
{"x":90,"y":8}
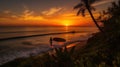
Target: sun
{"x":67,"y":25}
{"x":66,"y":22}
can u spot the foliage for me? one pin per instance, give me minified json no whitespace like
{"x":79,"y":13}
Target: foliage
{"x":83,"y":6}
{"x":110,"y":18}
{"x":61,"y":58}
{"x":64,"y":57}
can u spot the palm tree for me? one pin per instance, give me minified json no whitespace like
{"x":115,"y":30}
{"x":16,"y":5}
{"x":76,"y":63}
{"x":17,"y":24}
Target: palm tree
{"x":86,"y":5}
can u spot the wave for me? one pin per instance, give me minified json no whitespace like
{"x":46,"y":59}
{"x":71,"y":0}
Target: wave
{"x":19,"y":37}
{"x":19,"y":32}
{"x":12,"y":54}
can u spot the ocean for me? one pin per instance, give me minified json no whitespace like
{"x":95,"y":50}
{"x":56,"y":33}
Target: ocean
{"x":15,"y":44}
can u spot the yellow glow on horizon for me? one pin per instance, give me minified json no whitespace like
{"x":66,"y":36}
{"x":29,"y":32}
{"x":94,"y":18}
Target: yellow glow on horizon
{"x":66,"y":22}
{"x":65,"y":19}
{"x":67,"y":25}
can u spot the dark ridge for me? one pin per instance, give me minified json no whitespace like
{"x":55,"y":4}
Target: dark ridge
{"x":31,"y":31}
{"x":19,"y":37}
{"x":18,"y":32}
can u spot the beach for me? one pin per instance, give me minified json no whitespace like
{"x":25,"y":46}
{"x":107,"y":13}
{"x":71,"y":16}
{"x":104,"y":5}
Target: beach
{"x":23,"y":52}
{"x":16,"y":47}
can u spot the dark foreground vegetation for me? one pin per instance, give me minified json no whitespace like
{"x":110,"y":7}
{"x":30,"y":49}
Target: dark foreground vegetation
{"x":102,"y":50}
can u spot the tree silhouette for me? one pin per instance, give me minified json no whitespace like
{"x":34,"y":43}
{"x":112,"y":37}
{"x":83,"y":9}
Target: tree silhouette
{"x":110,"y":17}
{"x":114,"y":9}
{"x":86,"y":5}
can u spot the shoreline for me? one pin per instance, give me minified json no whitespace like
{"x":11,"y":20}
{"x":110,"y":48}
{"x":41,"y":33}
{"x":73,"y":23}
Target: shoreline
{"x":37,"y":51}
{"x":20,"y":37}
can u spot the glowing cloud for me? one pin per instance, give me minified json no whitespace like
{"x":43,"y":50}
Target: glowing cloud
{"x":30,"y":18}
{"x":51,"y":11}
{"x":29,"y":15}
{"x":6,"y":11}
{"x":6,"y":14}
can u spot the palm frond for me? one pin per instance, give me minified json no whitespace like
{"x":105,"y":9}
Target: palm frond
{"x":92,"y":1}
{"x":109,"y":9}
{"x":78,"y":6}
{"x":79,"y":11}
{"x":114,"y":4}
{"x":92,"y":8}
{"x":104,"y":12}
{"x":84,"y":1}
{"x":83,"y":12}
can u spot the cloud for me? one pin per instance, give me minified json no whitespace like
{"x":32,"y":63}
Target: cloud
{"x":7,"y":14}
{"x":25,"y":15}
{"x":29,"y":15}
{"x":102,"y":2}
{"x":51,"y":11}
{"x":6,"y":11}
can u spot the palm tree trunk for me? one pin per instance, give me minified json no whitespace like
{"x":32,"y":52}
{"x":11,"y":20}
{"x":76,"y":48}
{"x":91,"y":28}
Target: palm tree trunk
{"x":94,"y":20}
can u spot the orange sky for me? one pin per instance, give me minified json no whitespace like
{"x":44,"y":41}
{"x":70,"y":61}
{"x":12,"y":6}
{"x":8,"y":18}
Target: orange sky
{"x":48,"y":18}
{"x":43,"y":14}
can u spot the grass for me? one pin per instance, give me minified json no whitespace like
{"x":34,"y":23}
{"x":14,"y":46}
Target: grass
{"x":105,"y":54}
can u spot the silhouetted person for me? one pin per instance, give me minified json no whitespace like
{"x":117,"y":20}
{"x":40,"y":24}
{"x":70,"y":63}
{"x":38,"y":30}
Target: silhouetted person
{"x":50,"y":41}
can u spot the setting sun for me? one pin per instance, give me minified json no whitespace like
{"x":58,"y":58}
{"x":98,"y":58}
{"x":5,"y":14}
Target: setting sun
{"x":66,"y":22}
{"x":67,"y":25}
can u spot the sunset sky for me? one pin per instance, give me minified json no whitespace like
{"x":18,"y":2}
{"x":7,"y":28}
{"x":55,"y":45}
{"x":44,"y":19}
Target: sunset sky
{"x":45,"y":13}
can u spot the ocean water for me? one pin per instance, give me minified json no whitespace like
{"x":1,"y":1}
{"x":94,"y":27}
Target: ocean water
{"x":23,"y":47}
